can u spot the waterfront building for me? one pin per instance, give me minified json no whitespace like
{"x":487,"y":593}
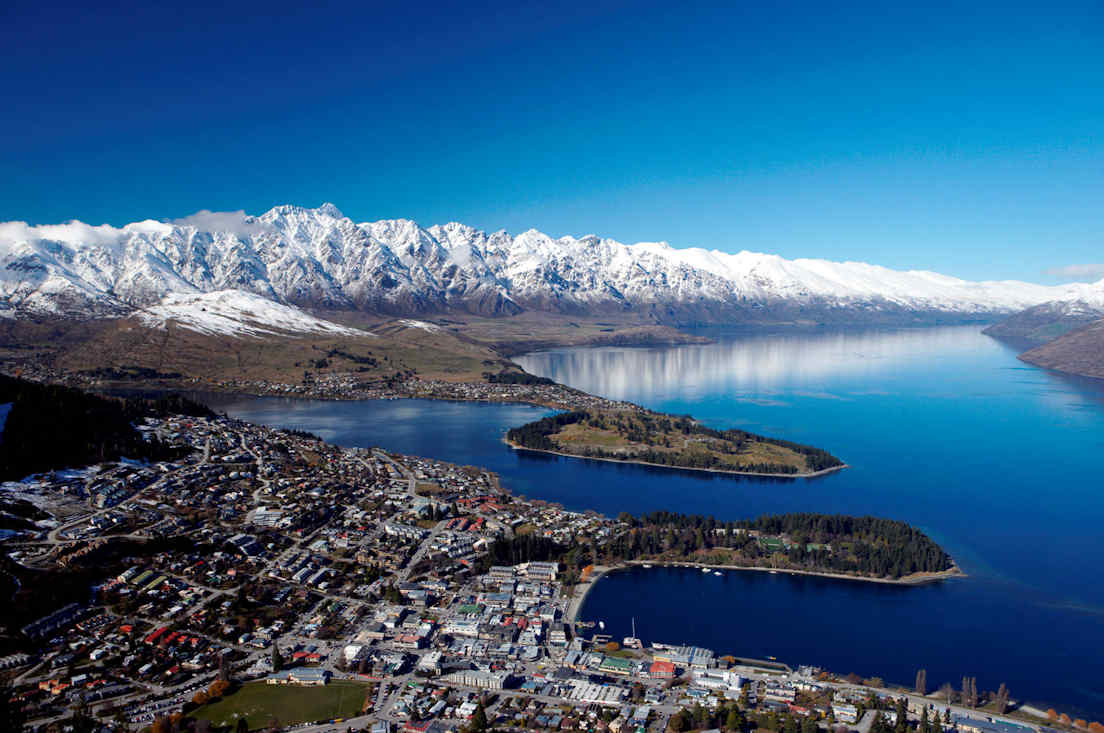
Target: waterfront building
{"x":661,"y":670}
{"x":968,"y":724}
{"x":686,"y":657}
{"x":616,"y":665}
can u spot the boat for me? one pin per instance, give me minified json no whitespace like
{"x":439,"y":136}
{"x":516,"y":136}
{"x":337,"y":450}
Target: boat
{"x":717,"y":572}
{"x":705,"y":570}
{"x":647,"y":565}
{"x":602,"y":625}
{"x":631,"y":642}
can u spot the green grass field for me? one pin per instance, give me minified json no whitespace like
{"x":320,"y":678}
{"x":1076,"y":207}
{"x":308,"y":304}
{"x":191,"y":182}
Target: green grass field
{"x":260,"y":703}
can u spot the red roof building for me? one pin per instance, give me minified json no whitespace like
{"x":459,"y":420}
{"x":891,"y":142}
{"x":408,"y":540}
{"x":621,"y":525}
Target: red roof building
{"x":662,"y":670}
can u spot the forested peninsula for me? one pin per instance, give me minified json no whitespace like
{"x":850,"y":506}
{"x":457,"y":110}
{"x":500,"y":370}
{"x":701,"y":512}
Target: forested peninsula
{"x":867,"y":548}
{"x":677,"y":441}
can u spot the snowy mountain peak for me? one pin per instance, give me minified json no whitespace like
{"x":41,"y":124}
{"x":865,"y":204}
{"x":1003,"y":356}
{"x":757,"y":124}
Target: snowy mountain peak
{"x":1088,"y":294}
{"x":326,"y":210}
{"x":318,"y":258}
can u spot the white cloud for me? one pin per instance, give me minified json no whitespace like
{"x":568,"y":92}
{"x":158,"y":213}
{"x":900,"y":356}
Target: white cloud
{"x":78,"y":233}
{"x":237,"y":222}
{"x":74,"y":232}
{"x":1087,"y":272}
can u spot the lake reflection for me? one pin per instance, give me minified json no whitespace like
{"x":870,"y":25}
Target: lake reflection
{"x":760,"y":366}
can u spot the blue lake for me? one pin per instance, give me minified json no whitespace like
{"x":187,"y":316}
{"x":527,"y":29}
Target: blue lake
{"x":943,"y":427}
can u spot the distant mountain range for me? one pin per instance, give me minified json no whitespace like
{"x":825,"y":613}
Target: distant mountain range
{"x":317,"y":259}
{"x":1066,"y":334}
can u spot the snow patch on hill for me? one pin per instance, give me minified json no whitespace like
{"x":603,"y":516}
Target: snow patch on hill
{"x":237,"y":313}
{"x":431,"y":328}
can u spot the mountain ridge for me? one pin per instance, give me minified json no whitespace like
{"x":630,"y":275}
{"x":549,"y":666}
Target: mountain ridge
{"x":1065,"y":335}
{"x":318,"y":259}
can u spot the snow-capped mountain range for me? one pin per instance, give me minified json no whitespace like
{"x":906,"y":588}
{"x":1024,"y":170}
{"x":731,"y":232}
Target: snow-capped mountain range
{"x":319,"y":259}
{"x":1047,"y":321}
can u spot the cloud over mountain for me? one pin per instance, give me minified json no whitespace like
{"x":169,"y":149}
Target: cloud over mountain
{"x":1087,"y":272}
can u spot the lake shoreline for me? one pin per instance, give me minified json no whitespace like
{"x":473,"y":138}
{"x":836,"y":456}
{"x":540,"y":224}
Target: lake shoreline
{"x":814,"y":474}
{"x":584,"y":588}
{"x":909,"y":580}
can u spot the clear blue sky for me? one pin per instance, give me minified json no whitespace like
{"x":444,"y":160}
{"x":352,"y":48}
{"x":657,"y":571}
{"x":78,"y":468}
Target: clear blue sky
{"x":958,"y":137}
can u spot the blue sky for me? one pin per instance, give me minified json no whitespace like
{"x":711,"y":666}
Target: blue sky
{"x":960,"y":137}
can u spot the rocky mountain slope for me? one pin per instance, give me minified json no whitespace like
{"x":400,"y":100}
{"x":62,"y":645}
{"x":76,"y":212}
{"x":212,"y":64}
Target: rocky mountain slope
{"x":321,"y":260}
{"x":1078,"y":352}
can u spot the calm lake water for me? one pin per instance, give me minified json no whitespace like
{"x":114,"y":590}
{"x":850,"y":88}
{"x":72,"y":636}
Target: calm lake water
{"x":943,"y":427}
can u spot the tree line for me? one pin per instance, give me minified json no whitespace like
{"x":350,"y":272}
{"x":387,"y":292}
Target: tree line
{"x":836,"y":542}
{"x":507,"y":377}
{"x":50,"y":427}
{"x":535,"y":434}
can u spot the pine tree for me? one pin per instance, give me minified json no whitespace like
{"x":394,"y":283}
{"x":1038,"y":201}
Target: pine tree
{"x":11,"y":710}
{"x":479,"y":720}
{"x":82,"y":721}
{"x":277,"y":658}
{"x":902,"y":716}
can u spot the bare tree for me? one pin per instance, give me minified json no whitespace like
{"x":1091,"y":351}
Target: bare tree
{"x":969,"y":692}
{"x":947,"y":692}
{"x":1002,"y":698}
